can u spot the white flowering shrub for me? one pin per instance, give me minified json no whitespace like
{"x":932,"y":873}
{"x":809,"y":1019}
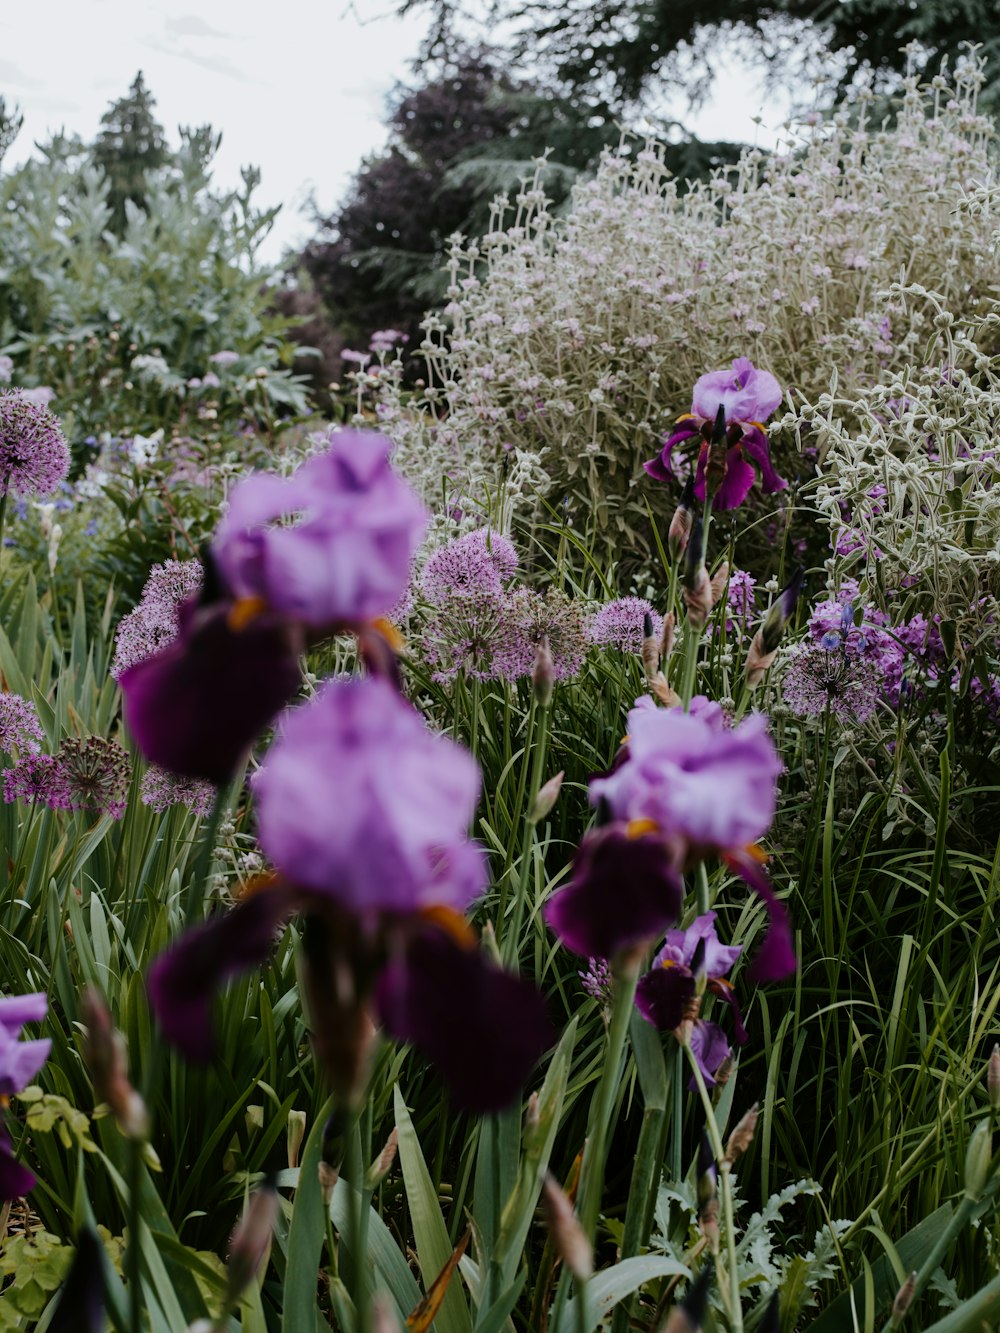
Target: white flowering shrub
{"x":574,"y":342}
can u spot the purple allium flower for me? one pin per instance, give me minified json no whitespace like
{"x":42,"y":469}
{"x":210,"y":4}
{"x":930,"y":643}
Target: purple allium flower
{"x":93,"y":776}
{"x":846,"y":684}
{"x":745,"y":397}
{"x":404,"y":799}
{"x":224,"y":358}
{"x":154,"y":622}
{"x":160,"y":790}
{"x":34,"y":456}
{"x":481,"y":562}
{"x":468,"y":632}
{"x":534,"y":617}
{"x":333,"y":543}
{"x":20,"y":729}
{"x":196,"y":706}
{"x":619,"y":624}
{"x":40,"y":396}
{"x":36,"y":779}
{"x":711,"y":787}
{"x":20,"y":1061}
{"x":625,"y":891}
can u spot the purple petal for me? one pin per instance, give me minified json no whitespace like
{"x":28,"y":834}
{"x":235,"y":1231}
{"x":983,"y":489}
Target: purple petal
{"x":756,"y":446}
{"x":726,"y":992}
{"x":662,"y":468}
{"x":20,"y":1061}
{"x":15,"y":1180}
{"x":680,"y":946}
{"x":16,"y":1010}
{"x":483,"y":1028}
{"x":182,"y":982}
{"x":775,"y":958}
{"x":709,"y":1046}
{"x":663,"y":994}
{"x":624,"y":892}
{"x":196,"y":707}
{"x":737,"y":482}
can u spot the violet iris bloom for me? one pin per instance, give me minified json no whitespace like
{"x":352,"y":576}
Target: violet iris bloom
{"x":365,"y":814}
{"x":665,"y":994}
{"x":20,"y":1061}
{"x":331,"y":543}
{"x":704,"y":788}
{"x":747,"y":398}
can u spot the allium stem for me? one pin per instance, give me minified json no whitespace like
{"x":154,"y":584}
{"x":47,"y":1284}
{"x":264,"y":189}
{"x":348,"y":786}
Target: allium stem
{"x":195,"y":907}
{"x":510,"y":941}
{"x":595,"y":1154}
{"x":730,"y":1293}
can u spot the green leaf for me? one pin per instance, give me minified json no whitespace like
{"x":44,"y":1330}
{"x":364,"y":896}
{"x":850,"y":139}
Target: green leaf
{"x":306,"y":1237}
{"x":606,"y":1288}
{"x":981,"y":1311}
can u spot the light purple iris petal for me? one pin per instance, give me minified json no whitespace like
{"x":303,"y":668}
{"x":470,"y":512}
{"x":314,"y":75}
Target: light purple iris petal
{"x":16,"y":1010}
{"x":744,"y":393}
{"x":334,"y":542}
{"x":20,"y":1061}
{"x":713,"y":789}
{"x":358,"y":799}
{"x":709,"y":1046}
{"x":680,"y":946}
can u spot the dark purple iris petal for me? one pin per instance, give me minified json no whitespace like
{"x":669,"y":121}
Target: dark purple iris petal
{"x":725,"y":992}
{"x":661,"y":468}
{"x":775,"y":958}
{"x":483,"y":1028}
{"x":663,"y":994}
{"x":195,"y":707}
{"x":15,"y":1180}
{"x":81,"y":1301}
{"x":755,"y":445}
{"x":709,"y":1046}
{"x":624,"y":892}
{"x":182,"y":982}
{"x":736,"y":484}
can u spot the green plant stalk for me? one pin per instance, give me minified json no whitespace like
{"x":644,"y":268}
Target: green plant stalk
{"x":510,"y":940}
{"x":595,"y":1153}
{"x":134,"y":1223}
{"x":732,"y":1294}
{"x":195,"y":905}
{"x":358,"y":1215}
{"x":689,"y":662}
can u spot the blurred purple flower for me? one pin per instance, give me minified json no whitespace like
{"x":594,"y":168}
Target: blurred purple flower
{"x":154,"y":622}
{"x":36,"y":779}
{"x":160,"y":790}
{"x":534,"y":617}
{"x":332,"y":543}
{"x":746,"y":397}
{"x":620,"y":624}
{"x":479,"y":563}
{"x":93,"y":776}
{"x":20,"y":1061}
{"x":20,"y":728}
{"x":34,"y":456}
{"x":6,"y":369}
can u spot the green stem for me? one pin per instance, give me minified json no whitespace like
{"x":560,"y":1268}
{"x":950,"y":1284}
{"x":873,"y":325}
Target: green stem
{"x":595,"y":1153}
{"x":195,"y":905}
{"x":134,"y":1223}
{"x":510,"y":942}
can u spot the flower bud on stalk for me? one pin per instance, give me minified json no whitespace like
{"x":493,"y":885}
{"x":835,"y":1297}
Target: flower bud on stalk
{"x":742,"y":1136}
{"x":296,"y":1134}
{"x":543,"y":676}
{"x":681,"y":523}
{"x":382,"y":1164}
{"x":718,"y":454}
{"x":251,"y":1241}
{"x":978,"y":1159}
{"x":719,"y":581}
{"x":547,"y":796}
{"x":903,"y":1301}
{"x":568,"y":1238}
{"x":993,"y":1078}
{"x":697,"y":585}
{"x":765,"y":643}
{"x":104,"y":1053}
{"x":650,"y":648}
{"x":667,"y":638}
{"x":707,"y":1176}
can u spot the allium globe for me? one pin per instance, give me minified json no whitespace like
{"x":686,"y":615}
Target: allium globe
{"x":34,"y":456}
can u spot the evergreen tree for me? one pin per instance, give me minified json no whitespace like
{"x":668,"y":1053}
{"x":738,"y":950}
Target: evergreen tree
{"x":130,"y":145}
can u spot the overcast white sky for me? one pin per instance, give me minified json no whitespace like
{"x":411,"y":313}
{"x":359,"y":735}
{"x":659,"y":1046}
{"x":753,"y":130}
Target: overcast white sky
{"x":298,"y":89}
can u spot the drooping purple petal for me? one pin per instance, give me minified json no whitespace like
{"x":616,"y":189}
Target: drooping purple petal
{"x":663,"y":994}
{"x":755,"y":444}
{"x":736,"y":483}
{"x":20,"y":1061}
{"x":196,"y":707}
{"x":482,"y":1027}
{"x":624,"y":891}
{"x":15,"y":1180}
{"x":775,"y":958}
{"x":726,"y":993}
{"x":709,"y":1046}
{"x":16,"y":1010}
{"x":183,"y":981}
{"x":661,"y":468}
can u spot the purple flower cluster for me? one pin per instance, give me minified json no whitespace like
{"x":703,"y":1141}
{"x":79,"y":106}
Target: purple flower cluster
{"x":535,"y":617}
{"x":160,"y":790}
{"x":90,"y":774}
{"x":725,"y":424}
{"x":155,"y":621}
{"x":620,"y":624}
{"x":479,"y":564}
{"x":34,"y":456}
{"x":741,"y":599}
{"x":20,"y":730}
{"x":20,"y":1061}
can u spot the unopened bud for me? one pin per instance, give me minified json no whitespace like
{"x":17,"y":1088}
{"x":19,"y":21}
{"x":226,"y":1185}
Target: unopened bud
{"x":251,"y":1242}
{"x":328,"y":1177}
{"x":681,"y":523}
{"x":532,"y":1116}
{"x":543,"y":676}
{"x":104,"y":1053}
{"x":296,"y":1133}
{"x":688,"y":1315}
{"x":650,"y":648}
{"x":664,"y":691}
{"x":382,"y":1164}
{"x":717,"y":463}
{"x":568,"y":1237}
{"x":547,"y":796}
{"x":706,"y":1178}
{"x":719,"y":581}
{"x":780,"y":612}
{"x":742,"y":1136}
{"x":667,"y":637}
{"x":758,"y":661}
{"x":993,"y":1078}
{"x":978,"y":1158}
{"x":903,"y":1301}
{"x":384,"y":1317}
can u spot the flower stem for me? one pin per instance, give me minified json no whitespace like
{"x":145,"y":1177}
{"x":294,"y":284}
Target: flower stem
{"x":510,"y":941}
{"x":195,"y":905}
{"x":134,"y":1223}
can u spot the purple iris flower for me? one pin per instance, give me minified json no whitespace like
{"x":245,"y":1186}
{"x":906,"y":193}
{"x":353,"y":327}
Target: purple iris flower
{"x":20,"y":1061}
{"x":704,"y":788}
{"x":665,"y":996}
{"x":746,"y":397}
{"x":365,"y":814}
{"x":332,"y":543}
